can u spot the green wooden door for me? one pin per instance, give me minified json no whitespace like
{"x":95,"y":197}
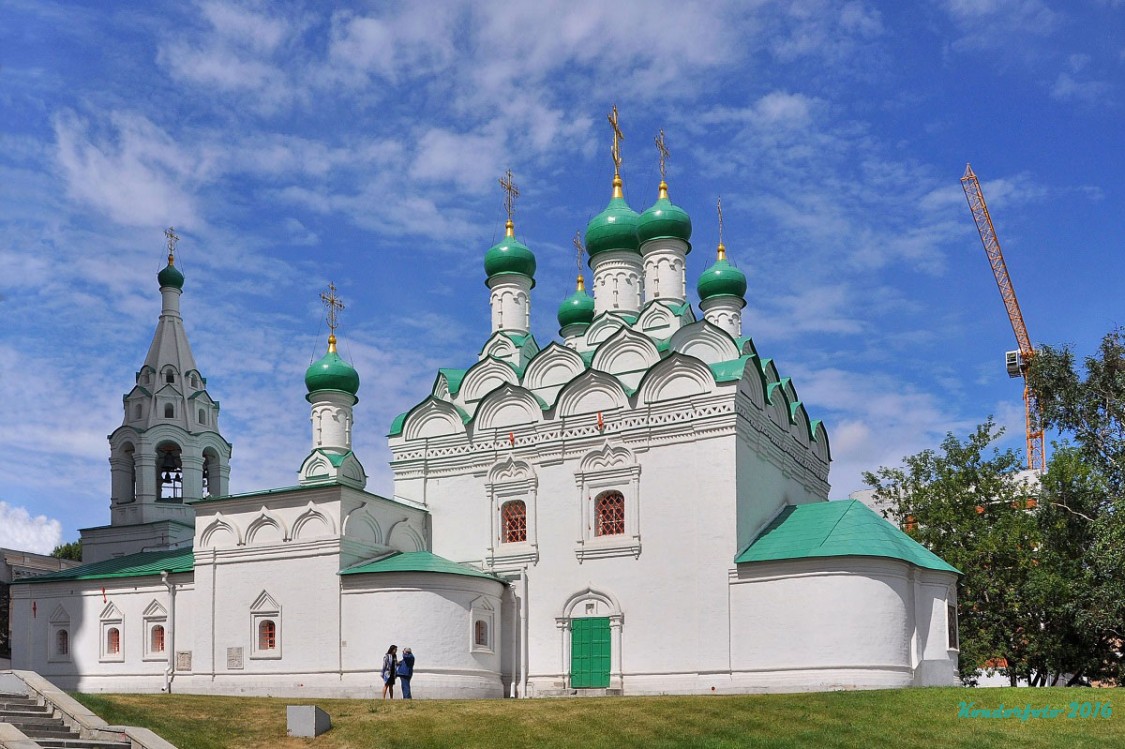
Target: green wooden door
{"x":589,"y":652}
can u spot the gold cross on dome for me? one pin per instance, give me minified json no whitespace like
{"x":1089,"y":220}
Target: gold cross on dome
{"x":170,"y":233}
{"x":512,"y":191}
{"x":664,"y":154}
{"x":334,"y":306}
{"x":722,"y":249}
{"x":617,"y":138}
{"x":579,"y":250}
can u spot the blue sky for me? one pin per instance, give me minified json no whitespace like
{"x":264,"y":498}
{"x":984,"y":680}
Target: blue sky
{"x":291,"y":144}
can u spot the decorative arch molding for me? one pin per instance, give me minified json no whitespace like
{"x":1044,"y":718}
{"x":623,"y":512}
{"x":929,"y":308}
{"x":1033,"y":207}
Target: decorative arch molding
{"x":553,"y":366}
{"x":485,"y":376}
{"x":59,"y":615}
{"x":220,"y":533}
{"x":499,"y":346}
{"x":313,"y":523}
{"x":607,"y":458}
{"x":591,"y":392}
{"x":625,"y":351}
{"x":602,"y":327}
{"x":656,"y":317}
{"x":266,"y":528}
{"x":507,"y":406}
{"x":678,"y":376}
{"x":800,"y":427}
{"x":403,"y":537}
{"x":821,"y":445}
{"x":753,"y":383}
{"x":360,"y":526}
{"x":511,"y":470}
{"x":432,"y":418}
{"x":605,"y":598}
{"x":705,"y":341}
{"x":154,"y":609}
{"x":779,"y":405}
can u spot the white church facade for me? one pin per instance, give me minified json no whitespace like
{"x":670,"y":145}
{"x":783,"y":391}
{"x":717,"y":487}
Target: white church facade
{"x":639,"y":507}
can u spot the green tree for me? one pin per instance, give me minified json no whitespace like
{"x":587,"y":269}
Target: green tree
{"x":966,"y":503}
{"x":72,"y":550}
{"x":1089,"y":406}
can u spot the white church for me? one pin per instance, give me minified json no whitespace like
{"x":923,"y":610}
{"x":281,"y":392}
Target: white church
{"x":639,"y":507}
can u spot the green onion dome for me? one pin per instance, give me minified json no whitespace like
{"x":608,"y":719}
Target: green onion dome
{"x":721,"y":279}
{"x":615,"y":228}
{"x":509,"y":255}
{"x":170,"y":275}
{"x":330,"y":372}
{"x":664,"y":220}
{"x":577,"y":308}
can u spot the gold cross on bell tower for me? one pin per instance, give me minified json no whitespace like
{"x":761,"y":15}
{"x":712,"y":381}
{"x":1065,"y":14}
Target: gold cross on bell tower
{"x":334,"y":307}
{"x":170,"y":233}
{"x":512,"y":192}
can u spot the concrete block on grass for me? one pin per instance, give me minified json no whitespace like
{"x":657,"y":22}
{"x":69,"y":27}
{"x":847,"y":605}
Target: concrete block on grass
{"x":306,"y":720}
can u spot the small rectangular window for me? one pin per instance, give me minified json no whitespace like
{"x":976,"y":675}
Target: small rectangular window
{"x":951,"y":621}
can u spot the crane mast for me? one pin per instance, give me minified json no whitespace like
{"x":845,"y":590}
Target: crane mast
{"x":1017,"y":361}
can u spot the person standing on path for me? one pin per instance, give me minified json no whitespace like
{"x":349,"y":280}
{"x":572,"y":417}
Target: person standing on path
{"x":405,"y":671}
{"x":390,"y":664}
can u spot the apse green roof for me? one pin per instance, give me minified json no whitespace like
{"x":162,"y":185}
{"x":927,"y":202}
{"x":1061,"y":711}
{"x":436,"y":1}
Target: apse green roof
{"x":170,"y":276}
{"x":846,"y":528}
{"x":134,"y":565}
{"x":415,"y":561}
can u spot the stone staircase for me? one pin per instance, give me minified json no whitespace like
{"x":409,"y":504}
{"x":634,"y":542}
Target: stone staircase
{"x":39,"y":723}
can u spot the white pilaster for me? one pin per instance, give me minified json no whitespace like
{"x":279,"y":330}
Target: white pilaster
{"x":618,"y":282}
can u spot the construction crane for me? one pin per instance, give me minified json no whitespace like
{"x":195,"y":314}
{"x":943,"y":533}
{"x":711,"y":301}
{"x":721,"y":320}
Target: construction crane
{"x":1017,"y":361}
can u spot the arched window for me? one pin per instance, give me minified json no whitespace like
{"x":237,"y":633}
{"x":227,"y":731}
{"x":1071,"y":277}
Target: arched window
{"x":169,"y":377}
{"x":62,"y":642}
{"x":137,"y":411}
{"x":480,"y":633}
{"x":156,"y":639}
{"x":267,"y":635}
{"x":169,"y":473}
{"x":609,"y":514}
{"x":113,"y":641}
{"x":169,"y":411}
{"x":202,"y":416}
{"x":194,"y":381}
{"x":513,"y":521}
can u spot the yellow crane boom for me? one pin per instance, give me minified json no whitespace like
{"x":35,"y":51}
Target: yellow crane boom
{"x":1017,"y":361}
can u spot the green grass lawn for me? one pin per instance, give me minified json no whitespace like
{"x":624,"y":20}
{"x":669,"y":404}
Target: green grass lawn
{"x":914,"y":718}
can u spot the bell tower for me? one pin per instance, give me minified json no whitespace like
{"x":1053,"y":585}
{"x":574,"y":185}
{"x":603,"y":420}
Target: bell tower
{"x":168,"y":451}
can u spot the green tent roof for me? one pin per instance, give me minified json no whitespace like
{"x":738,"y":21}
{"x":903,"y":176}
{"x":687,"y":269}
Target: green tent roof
{"x":847,"y":528}
{"x":134,"y":565}
{"x":415,"y":561}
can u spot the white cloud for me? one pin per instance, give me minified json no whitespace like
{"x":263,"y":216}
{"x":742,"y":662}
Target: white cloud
{"x":1069,"y":88}
{"x":21,"y":531}
{"x":136,"y":176}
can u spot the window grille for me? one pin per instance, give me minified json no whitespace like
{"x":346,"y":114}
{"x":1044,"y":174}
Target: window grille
{"x":481,"y":633}
{"x":62,"y":643}
{"x":157,"y":641}
{"x":113,"y":641}
{"x":609,"y":514}
{"x":514,"y":521}
{"x":267,"y":635}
